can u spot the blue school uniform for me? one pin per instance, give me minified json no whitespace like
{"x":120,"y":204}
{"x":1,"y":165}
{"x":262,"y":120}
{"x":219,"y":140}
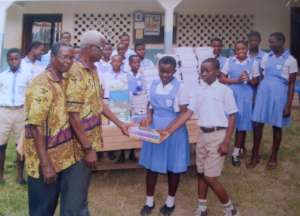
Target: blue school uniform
{"x":135,"y":83}
{"x":222,"y":60}
{"x":271,"y":95}
{"x":243,"y":93}
{"x":173,"y":153}
{"x":258,"y":58}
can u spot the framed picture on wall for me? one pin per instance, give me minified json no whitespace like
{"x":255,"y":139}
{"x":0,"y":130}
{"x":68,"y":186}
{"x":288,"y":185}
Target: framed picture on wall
{"x":152,"y":24}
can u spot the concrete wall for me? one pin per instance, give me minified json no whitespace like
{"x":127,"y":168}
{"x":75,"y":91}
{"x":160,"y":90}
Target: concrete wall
{"x":270,"y":15}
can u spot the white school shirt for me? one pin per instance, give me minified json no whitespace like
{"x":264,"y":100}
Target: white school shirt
{"x":181,"y":98}
{"x":290,"y":66}
{"x":103,"y":67}
{"x":146,"y":63}
{"x":35,"y":68}
{"x":212,"y":104}
{"x":255,"y":66}
{"x":13,"y":87}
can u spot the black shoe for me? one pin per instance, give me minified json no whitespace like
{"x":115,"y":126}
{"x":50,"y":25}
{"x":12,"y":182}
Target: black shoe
{"x":166,"y":211}
{"x":146,"y":210}
{"x":235,"y":160}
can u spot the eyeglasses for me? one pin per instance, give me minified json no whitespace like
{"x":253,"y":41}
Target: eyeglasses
{"x":98,"y":47}
{"x":65,"y":58}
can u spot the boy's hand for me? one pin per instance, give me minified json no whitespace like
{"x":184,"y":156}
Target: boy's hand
{"x":224,"y":148}
{"x":145,"y":123}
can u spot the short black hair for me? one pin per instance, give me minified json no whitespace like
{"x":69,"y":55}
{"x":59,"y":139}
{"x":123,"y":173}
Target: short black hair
{"x":167,"y":60}
{"x":279,"y":36}
{"x":216,"y":39}
{"x":56,"y":47}
{"x":241,"y":42}
{"x":124,"y":34}
{"x":13,"y":50}
{"x":130,"y":59}
{"x":35,"y":44}
{"x":139,"y":44}
{"x":213,"y":61}
{"x":254,"y":34}
{"x":63,"y":33}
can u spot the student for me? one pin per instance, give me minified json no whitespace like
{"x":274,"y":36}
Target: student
{"x":121,"y":50}
{"x":254,"y":52}
{"x":241,"y":74}
{"x":13,"y":84}
{"x":167,"y":100}
{"x":116,"y":91}
{"x":217,"y":45}
{"x":274,"y":97}
{"x":135,"y":78}
{"x":125,"y":40}
{"x":65,"y":38}
{"x":140,"y":50}
{"x":104,"y":66}
{"x":31,"y":62}
{"x":214,"y":105}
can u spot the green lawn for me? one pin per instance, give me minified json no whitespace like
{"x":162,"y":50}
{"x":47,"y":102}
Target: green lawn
{"x":256,"y":192}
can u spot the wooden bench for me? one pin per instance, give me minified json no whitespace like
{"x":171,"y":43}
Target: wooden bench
{"x":114,"y":140}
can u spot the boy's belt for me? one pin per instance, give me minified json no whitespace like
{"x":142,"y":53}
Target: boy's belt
{"x":211,"y":129}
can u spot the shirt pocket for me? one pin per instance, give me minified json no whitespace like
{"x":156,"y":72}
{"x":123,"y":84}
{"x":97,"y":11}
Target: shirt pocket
{"x":21,"y":88}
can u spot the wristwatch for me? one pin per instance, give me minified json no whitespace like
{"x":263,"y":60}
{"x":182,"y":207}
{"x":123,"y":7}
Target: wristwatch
{"x":87,"y":148}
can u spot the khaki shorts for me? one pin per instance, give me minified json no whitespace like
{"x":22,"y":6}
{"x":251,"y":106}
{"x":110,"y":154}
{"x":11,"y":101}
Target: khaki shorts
{"x":11,"y":124}
{"x":208,"y":160}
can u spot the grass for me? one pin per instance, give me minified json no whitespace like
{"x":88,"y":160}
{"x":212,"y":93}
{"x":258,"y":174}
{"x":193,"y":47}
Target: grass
{"x":256,"y":192}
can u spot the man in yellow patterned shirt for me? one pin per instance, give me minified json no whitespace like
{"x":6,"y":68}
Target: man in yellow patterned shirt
{"x":84,"y":103}
{"x":51,"y":161}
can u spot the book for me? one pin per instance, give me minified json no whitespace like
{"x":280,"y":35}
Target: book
{"x":145,"y":134}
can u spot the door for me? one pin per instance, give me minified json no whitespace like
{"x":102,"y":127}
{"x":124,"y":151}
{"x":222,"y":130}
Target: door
{"x":295,"y":33}
{"x":45,"y":28}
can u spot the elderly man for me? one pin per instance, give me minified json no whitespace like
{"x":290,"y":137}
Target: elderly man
{"x":51,"y":161}
{"x":13,"y":83}
{"x":84,"y":104}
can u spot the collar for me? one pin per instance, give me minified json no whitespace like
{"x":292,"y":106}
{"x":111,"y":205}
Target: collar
{"x":84,"y":66}
{"x":206,"y":85}
{"x":137,"y":75}
{"x":260,"y":54}
{"x":53,"y":77}
{"x":17,"y":71}
{"x":239,"y":62}
{"x":286,"y":53}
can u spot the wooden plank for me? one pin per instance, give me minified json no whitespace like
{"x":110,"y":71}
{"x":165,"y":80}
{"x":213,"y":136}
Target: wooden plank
{"x":113,"y":139}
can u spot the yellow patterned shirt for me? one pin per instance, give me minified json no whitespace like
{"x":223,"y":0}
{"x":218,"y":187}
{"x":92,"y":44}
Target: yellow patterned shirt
{"x":45,"y":106}
{"x":84,"y":96}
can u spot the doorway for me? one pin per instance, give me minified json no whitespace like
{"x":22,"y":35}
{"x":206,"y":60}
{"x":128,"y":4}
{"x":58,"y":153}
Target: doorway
{"x":45,"y":28}
{"x":295,"y":33}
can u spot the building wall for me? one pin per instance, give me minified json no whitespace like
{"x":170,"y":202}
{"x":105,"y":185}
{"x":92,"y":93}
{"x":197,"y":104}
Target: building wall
{"x":269,"y":15}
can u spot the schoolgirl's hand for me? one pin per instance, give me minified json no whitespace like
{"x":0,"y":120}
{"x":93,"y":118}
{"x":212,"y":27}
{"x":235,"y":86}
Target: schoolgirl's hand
{"x":287,"y":111}
{"x":164,"y":134}
{"x":145,"y":122}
